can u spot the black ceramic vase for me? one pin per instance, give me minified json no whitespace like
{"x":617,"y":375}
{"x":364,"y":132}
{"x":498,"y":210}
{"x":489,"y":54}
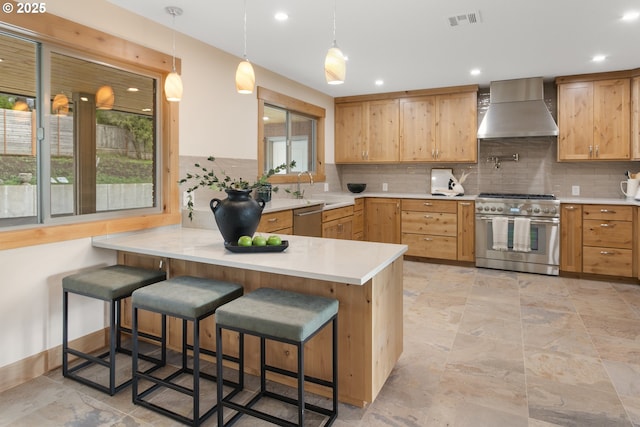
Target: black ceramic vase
{"x":237,"y":215}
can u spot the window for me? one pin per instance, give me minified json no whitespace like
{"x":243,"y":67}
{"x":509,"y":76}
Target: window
{"x":290,"y":130}
{"x":79,"y":142}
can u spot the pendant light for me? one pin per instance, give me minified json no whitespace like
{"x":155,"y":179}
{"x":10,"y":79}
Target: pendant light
{"x":173,"y":82}
{"x":105,"y":98}
{"x":334,"y":63}
{"x":245,"y":77}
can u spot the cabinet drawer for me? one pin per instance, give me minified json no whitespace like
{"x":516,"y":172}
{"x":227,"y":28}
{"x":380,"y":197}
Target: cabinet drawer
{"x":332,"y":214}
{"x":340,"y":228}
{"x":610,"y":234}
{"x":429,"y":205}
{"x":616,"y":212}
{"x":609,"y":261}
{"x":442,"y":224}
{"x":428,"y":246}
{"x":276,"y":221}
{"x":358,"y":204}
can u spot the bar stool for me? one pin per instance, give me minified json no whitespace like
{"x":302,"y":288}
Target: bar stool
{"x":286,"y":317}
{"x":111,"y":284}
{"x":190,"y":299}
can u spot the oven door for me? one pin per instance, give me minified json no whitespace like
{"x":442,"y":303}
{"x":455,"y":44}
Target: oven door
{"x":545,"y":249}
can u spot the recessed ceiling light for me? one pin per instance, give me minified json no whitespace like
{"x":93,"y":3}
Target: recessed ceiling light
{"x":84,"y":99}
{"x":146,"y":110}
{"x":379,"y":82}
{"x":265,"y":118}
{"x":132,"y":89}
{"x":281,"y":16}
{"x":631,"y":16}
{"x":598,"y":58}
{"x":475,"y":72}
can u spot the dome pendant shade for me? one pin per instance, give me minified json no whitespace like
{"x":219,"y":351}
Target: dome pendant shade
{"x":105,"y":98}
{"x":245,"y":77}
{"x":334,"y":66}
{"x":173,"y":87}
{"x":60,"y":105}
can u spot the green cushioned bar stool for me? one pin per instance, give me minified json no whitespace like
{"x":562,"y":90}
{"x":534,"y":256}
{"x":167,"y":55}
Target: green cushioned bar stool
{"x":190,"y":299}
{"x":111,"y":284}
{"x":283,"y":316}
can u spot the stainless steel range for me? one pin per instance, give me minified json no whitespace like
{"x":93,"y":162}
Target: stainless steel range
{"x":518,"y":232}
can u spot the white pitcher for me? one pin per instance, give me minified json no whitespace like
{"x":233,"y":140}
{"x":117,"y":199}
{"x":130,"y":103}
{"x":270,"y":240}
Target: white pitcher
{"x":632,"y":187}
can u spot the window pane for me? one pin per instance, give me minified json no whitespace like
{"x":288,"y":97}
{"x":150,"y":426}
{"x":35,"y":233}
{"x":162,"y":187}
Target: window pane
{"x":288,"y":137}
{"x":102,"y":138}
{"x":18,"y":163}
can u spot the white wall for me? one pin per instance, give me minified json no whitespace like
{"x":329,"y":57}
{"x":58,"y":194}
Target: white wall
{"x":214,"y":120}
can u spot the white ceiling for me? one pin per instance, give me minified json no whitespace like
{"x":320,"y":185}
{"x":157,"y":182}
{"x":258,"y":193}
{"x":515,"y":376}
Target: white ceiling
{"x":410,"y":43}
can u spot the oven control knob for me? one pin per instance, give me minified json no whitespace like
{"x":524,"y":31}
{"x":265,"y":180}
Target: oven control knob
{"x":545,"y":210}
{"x":493,"y":208}
{"x":529,"y":210}
{"x":536,"y":210}
{"x":499,"y":209}
{"x":479,"y":208}
{"x":486,"y":208}
{"x":553,"y":210}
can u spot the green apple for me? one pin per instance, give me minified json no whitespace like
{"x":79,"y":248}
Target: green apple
{"x":245,"y":241}
{"x":274,"y":240}
{"x":259,"y":241}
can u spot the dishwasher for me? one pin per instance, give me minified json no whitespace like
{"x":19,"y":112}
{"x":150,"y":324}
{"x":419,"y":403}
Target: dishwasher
{"x":307,"y":221}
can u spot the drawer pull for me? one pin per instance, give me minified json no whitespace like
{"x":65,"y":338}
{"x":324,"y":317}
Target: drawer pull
{"x":428,"y":216}
{"x":607,"y":253}
{"x":465,"y":204}
{"x":607,"y":211}
{"x":428,"y":204}
{"x":272,"y":220}
{"x":427,"y":239}
{"x":607,"y":225}
{"x":570,"y":208}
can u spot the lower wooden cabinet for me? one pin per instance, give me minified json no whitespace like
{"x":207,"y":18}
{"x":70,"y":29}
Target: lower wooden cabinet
{"x":338,"y":223}
{"x":607,"y":240}
{"x":382,"y":220}
{"x":466,"y":231}
{"x":358,"y":220}
{"x":571,"y":238}
{"x":280,"y":222}
{"x":597,"y":239}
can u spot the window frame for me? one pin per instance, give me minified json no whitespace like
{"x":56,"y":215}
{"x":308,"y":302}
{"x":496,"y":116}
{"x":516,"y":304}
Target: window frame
{"x":293,"y":105}
{"x":81,"y":41}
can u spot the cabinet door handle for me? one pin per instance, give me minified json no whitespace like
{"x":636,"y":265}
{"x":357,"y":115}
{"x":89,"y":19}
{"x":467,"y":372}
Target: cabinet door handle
{"x":607,"y":225}
{"x":597,"y":151}
{"x":433,"y":153}
{"x":607,"y":253}
{"x":607,"y":211}
{"x":272,"y":220}
{"x":590,"y":151}
{"x":465,"y":204}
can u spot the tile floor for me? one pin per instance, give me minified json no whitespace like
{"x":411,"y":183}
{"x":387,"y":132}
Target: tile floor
{"x":482,"y":348}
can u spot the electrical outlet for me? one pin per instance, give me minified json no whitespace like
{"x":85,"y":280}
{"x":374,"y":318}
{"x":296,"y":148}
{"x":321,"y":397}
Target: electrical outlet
{"x":326,"y":186}
{"x":385,"y":186}
{"x":186,"y":196}
{"x":575,"y":190}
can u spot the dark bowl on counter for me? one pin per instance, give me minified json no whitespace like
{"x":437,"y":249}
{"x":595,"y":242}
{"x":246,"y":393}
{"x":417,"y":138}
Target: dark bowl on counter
{"x":356,"y":188}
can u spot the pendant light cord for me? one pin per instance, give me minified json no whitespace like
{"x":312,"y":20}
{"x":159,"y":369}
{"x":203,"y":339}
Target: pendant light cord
{"x":173,"y":25}
{"x":245,"y":30}
{"x":334,"y":22}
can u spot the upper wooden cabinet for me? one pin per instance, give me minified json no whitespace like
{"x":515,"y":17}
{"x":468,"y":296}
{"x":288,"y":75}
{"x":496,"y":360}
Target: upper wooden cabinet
{"x":439,"y":128}
{"x":367,"y":132}
{"x":594,"y":119}
{"x":635,"y":118}
{"x":435,"y":125}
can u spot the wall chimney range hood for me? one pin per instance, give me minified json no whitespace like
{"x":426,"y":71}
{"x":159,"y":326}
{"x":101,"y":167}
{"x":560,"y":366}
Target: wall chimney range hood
{"x":517,"y":109}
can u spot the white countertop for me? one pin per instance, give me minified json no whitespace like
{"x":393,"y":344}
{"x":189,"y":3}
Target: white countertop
{"x":343,"y":261}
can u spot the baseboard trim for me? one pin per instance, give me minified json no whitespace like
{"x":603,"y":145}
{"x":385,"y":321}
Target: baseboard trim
{"x":34,"y":366}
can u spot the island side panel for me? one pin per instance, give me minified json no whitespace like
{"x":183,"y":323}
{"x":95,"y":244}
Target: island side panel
{"x":388,"y":330}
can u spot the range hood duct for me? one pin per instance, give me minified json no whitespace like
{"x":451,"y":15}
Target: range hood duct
{"x":517,"y":109}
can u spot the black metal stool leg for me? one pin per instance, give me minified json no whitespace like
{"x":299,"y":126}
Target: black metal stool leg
{"x":134,"y":355}
{"x":196,"y":372}
{"x":65,"y":333}
{"x":113,"y":333}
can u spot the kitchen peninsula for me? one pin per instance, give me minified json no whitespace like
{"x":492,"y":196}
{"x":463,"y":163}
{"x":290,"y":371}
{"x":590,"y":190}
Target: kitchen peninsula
{"x":365,"y":277}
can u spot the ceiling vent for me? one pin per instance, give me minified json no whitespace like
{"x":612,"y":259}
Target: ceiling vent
{"x":465,"y":19}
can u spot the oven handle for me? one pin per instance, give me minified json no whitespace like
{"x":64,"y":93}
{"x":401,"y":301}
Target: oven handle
{"x":533,"y":221}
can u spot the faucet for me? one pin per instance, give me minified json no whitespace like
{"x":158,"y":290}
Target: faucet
{"x":300,"y":194}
